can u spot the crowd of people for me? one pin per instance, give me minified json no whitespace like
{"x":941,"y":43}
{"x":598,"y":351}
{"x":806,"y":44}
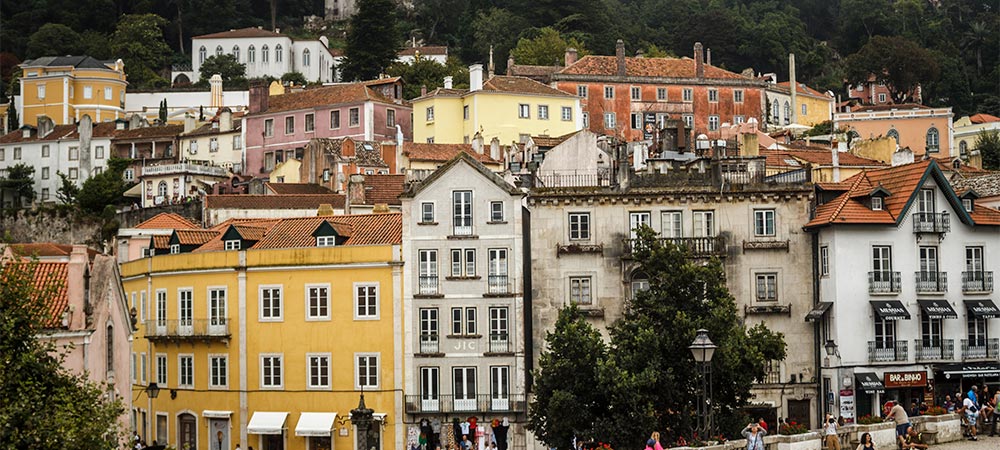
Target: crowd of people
{"x":977,"y":409}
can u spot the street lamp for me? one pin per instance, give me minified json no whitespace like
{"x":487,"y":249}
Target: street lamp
{"x":831,"y":348}
{"x":152,"y":390}
{"x":702,"y":349}
{"x":361,"y":417}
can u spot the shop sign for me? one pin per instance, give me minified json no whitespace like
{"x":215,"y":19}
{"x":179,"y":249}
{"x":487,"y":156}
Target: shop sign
{"x":905,"y":379}
{"x":649,"y":125}
{"x":847,"y":405}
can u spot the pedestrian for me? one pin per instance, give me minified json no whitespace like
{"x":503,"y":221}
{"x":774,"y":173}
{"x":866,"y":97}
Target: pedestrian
{"x":754,"y":436}
{"x":866,"y":442}
{"x":656,"y":440}
{"x":948,"y":404}
{"x":895,"y":412}
{"x":649,"y":444}
{"x":971,"y":415}
{"x":914,"y":440}
{"x":466,"y":443}
{"x":830,"y":433}
{"x":762,"y":423}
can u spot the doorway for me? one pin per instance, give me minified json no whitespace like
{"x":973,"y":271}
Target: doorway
{"x":187,"y":431}
{"x":798,"y":412}
{"x":218,"y":434}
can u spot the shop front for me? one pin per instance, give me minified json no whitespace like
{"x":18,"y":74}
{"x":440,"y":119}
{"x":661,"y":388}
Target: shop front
{"x":908,"y":388}
{"x":866,"y":396}
{"x":955,"y":379}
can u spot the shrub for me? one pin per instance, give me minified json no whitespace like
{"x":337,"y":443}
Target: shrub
{"x":794,"y":428}
{"x":868,"y":419}
{"x":935,"y":411}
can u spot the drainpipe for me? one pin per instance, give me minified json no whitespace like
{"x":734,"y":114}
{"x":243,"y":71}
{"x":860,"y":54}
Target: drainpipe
{"x":820,"y":407}
{"x":529,"y":342}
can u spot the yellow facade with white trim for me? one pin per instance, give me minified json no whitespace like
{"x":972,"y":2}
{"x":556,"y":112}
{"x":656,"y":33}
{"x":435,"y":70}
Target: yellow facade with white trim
{"x":493,"y":114}
{"x":66,"y":94}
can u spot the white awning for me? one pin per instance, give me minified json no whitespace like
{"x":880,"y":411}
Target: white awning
{"x":134,"y":191}
{"x":216,"y":414}
{"x":315,"y":424}
{"x":267,"y":422}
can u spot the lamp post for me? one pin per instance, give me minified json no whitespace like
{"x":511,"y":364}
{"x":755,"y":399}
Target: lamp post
{"x":361,"y":417}
{"x":702,"y":349}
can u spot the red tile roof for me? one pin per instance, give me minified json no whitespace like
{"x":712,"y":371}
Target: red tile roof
{"x":46,"y":250}
{"x":803,"y":89}
{"x":249,"y":32}
{"x":645,"y":67}
{"x":383,"y":189}
{"x":521,"y":85}
{"x":274,"y":201}
{"x":161,"y":242}
{"x":818,"y":157}
{"x":360,"y":229}
{"x":297,"y":188}
{"x":60,"y":132}
{"x":983,"y":118}
{"x":324,"y":96}
{"x":419,"y":151}
{"x":151,"y":132}
{"x":373,"y":229}
{"x":167,"y":221}
{"x":195,"y":236}
{"x":49,"y":279}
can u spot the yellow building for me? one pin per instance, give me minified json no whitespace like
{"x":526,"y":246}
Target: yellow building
{"x":508,"y":108}
{"x":265,"y":333}
{"x":811,"y":107}
{"x":64,"y":88}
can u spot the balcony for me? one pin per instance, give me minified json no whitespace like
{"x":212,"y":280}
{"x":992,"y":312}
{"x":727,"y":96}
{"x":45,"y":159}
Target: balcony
{"x":428,"y":286}
{"x":931,"y":222}
{"x":500,"y":344}
{"x":698,"y":247}
{"x":883,"y":282}
{"x":932,"y":281}
{"x":429,"y":344}
{"x":935,"y":349}
{"x":483,"y":403}
{"x":980,"y":349}
{"x":184,"y":329}
{"x":977,"y":282}
{"x":887,"y":351}
{"x":499,"y":286}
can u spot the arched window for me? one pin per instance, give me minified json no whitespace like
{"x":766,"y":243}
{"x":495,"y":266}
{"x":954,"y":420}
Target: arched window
{"x":788,"y":113}
{"x":640,"y":282}
{"x":236,"y":52}
{"x":161,"y":189}
{"x":893,"y":134}
{"x":776,"y":114}
{"x":963,"y":149}
{"x":202,"y":53}
{"x":278,"y":56}
{"x":218,"y":50}
{"x":263,"y":54}
{"x":305,"y":58}
{"x":110,"y":341}
{"x":933,"y":140}
{"x":251,"y":54}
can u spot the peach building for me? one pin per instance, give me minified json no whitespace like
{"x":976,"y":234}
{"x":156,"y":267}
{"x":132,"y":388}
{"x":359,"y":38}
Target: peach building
{"x":922,"y":129}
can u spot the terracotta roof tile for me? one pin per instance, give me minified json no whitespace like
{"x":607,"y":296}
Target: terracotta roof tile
{"x":324,"y":96}
{"x":165,"y":131}
{"x":195,"y":236}
{"x":803,"y":89}
{"x":550,"y":141}
{"x":297,"y":188}
{"x":361,"y":229}
{"x":521,"y":85}
{"x":373,"y":229}
{"x":983,"y":118}
{"x":383,"y":189}
{"x":161,"y":242}
{"x":249,"y":32}
{"x":419,"y":151}
{"x":901,"y":182}
{"x":167,"y":221}
{"x":820,"y":157}
{"x":274,"y":201}
{"x":645,"y":67}
{"x":51,"y":278}
{"x":983,"y":215}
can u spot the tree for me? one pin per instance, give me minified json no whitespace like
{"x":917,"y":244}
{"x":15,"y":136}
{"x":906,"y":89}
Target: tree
{"x":163,"y":111}
{"x":545,"y":49}
{"x":426,"y":72}
{"x":104,"y":189}
{"x":988,"y":145}
{"x":977,"y":37}
{"x":68,"y":190}
{"x":13,"y":122}
{"x":567,"y":401}
{"x":19,"y":182}
{"x":78,"y":414}
{"x":138,"y":41}
{"x":295,"y":78}
{"x":227,"y":66}
{"x":898,"y":62}
{"x":54,"y":39}
{"x":499,"y":28}
{"x":372,"y":40}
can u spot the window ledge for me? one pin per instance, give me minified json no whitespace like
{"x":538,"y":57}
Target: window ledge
{"x":427,"y":223}
{"x":464,"y":336}
{"x":488,"y":354}
{"x":463,"y":278}
{"x":770,"y":244}
{"x":428,"y":295}
{"x":768,"y":309}
{"x":591,"y":311}
{"x":429,"y":355}
{"x":499,"y":294}
{"x":498,"y":222}
{"x":575,"y":248}
{"x":463,"y":236}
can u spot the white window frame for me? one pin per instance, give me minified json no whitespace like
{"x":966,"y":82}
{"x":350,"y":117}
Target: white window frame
{"x":713,"y":122}
{"x":108,"y":93}
{"x":672,"y":224}
{"x":661,"y":94}
{"x":175,"y":249}
{"x":319,"y":287}
{"x":260,"y":303}
{"x":367,"y":363}
{"x":635,"y":93}
{"x":353,"y":117}
{"x":88,"y":92}
{"x":760,"y":222}
{"x":769,"y":295}
{"x":523,"y":111}
{"x":610,"y":121}
{"x":162,"y":370}
{"x":142,"y":367}
{"x":877,"y":204}
{"x":567,"y":114}
{"x":609,"y":92}
{"x":180,"y":371}
{"x":326,"y":241}
{"x":267,"y":383}
{"x":687,"y":95}
{"x":212,"y":358}
{"x":494,"y":210}
{"x":268,"y":127}
{"x":368,"y":286}
{"x":463,"y":262}
{"x":582,"y":228}
{"x":232,"y":244}
{"x":543,"y":112}
{"x":318,"y":357}
{"x":737,"y":95}
{"x":429,"y":113}
{"x":590,"y":289}
{"x":824,"y":261}
{"x":713,"y":95}
{"x":581,"y":90}
{"x":424,"y":212}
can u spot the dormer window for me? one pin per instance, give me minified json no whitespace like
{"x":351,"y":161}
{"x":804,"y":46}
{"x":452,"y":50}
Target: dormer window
{"x":326,"y":241}
{"x":233,"y":244}
{"x":967,"y":204}
{"x":876,"y":203}
{"x":175,"y":249}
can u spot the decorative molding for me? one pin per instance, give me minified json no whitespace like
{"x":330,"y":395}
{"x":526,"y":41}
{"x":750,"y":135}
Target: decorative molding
{"x":572,"y":249}
{"x":765,"y":245}
{"x":767,"y":309}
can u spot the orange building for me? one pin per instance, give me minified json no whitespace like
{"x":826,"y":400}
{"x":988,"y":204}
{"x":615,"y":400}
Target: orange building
{"x":922,"y":129}
{"x":64,"y":88}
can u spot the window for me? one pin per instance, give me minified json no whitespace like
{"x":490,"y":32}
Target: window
{"x":767,"y":287}
{"x":579,"y":226}
{"x":237,"y":142}
{"x":581,"y":90}
{"x":876,"y":203}
{"x":265,"y":54}
{"x":930,"y":332}
{"x":390,"y":118}
{"x":161,"y":308}
{"x":218,"y":50}
{"x":499,"y":327}
{"x":353,"y":117}
{"x":142,"y":367}
{"x":462,"y":207}
{"x":107,"y":93}
{"x":464,"y":321}
{"x":218,"y":376}
{"x":925,"y":201}
{"x":429,"y":378}
{"x":175,"y":249}
{"x":464,"y":389}
{"x":933,"y":139}
{"x":74,"y":173}
{"x":738,"y":95}
{"x":496,"y":212}
{"x":609,"y":120}
{"x":270,"y":303}
{"x":236,"y":52}
{"x":586,"y":119}
{"x":45,"y":151}
{"x":428,"y":330}
{"x":739,"y":119}
{"x":185,"y":371}
{"x":268,"y":127}
{"x":635,"y":93}
{"x":966,"y":202}
{"x":763,"y":222}
{"x":319,"y":370}
{"x":202,"y":54}
{"x":824,"y":261}
{"x":640,"y":282}
{"x":135,"y":367}
{"x":776,"y":112}
{"x":366,"y":301}
{"x":805,"y":109}
{"x":977,"y":334}
{"x":579,"y":291}
{"x":366,"y":369}
{"x":428,"y":271}
{"x":882,"y":266}
{"x":499,"y":387}
{"x":881,"y":98}
{"x":310,"y":122}
{"x":334,"y":120}
{"x":251,"y":54}
{"x":523,"y":111}
{"x":185,"y":302}
{"x":45,"y":194}
{"x":279,"y":54}
{"x":463,"y":262}
{"x":326,"y":241}
{"x":704,"y":223}
{"x":88,"y":92}
{"x":637,"y":220}
{"x":636,"y":123}
{"x":713,"y":95}
{"x":567,"y":113}
{"x":543,"y":112}
{"x":430,"y":113}
{"x":99,"y":152}
{"x":318,"y":302}
{"x":893,"y":133}
{"x":688,"y":120}
{"x":161,"y":190}
{"x":41,"y":91}
{"x":885,"y":333}
{"x":713,"y":123}
{"x":45,"y":173}
{"x":74,"y":153}
{"x":305,"y":58}
{"x":671,"y":224}
{"x":17,"y":153}
{"x":427,"y":212}
{"x":289,"y":125}
{"x":609,"y":92}
{"x":497,"y":280}
{"x":271,"y":371}
{"x":233,"y":244}
{"x":161,"y":369}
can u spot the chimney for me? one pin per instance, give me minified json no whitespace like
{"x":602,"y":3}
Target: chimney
{"x":750,"y":143}
{"x":835,"y":160}
{"x":355,"y":190}
{"x":259,"y":93}
{"x":490,"y":68}
{"x":45,"y":126}
{"x":699,"y":60}
{"x":495,"y":148}
{"x":448,"y":82}
{"x":571,"y":55}
{"x":510,"y":64}
{"x":794,"y":87}
{"x":215,"y":84}
{"x":477,"y":143}
{"x":902,"y":156}
{"x":708,"y":57}
{"x":640,"y":54}
{"x":475,"y":77}
{"x":423,"y":90}
{"x":225,"y":120}
{"x":324,"y":210}
{"x":76,"y":287}
{"x":189,"y":123}
{"x":620,"y":57}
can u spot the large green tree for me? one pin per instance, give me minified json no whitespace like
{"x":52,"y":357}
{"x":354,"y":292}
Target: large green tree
{"x":429,"y":73}
{"x":44,"y":405}
{"x":546,"y":48}
{"x":104,"y":189}
{"x":227,"y":66}
{"x":138,"y":41}
{"x":898,"y":62}
{"x":372,"y":40}
{"x":19,"y":183}
{"x":54,"y":39}
{"x":988,"y":145}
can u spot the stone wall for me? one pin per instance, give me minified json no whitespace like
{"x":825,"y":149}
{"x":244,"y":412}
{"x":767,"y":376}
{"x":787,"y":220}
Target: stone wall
{"x":58,"y":225}
{"x":129,"y":218}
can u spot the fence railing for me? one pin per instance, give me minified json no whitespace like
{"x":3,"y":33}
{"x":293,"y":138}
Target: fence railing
{"x":884,"y":282}
{"x":932,"y":281}
{"x":574,"y":178}
{"x":888,"y":351}
{"x":981,"y":281}
{"x":499,"y":284}
{"x":699,"y":247}
{"x":482,"y":403}
{"x":500,"y":343}
{"x":428,"y":285}
{"x":931,"y":223}
{"x":979,"y":349}
{"x":935,"y":349}
{"x":429,"y":343}
{"x":184,"y":328}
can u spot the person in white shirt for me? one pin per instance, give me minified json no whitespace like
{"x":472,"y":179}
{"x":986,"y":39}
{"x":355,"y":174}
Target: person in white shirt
{"x":830,"y":431}
{"x":971,"y":414}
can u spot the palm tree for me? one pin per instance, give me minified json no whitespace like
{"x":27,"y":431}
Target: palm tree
{"x":975,"y":39}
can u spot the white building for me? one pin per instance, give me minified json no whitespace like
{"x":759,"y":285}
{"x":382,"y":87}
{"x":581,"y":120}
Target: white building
{"x":219,"y":142}
{"x":79,"y":151}
{"x":967,"y":130}
{"x":266,"y":54}
{"x":464,"y":300}
{"x":904,"y":268}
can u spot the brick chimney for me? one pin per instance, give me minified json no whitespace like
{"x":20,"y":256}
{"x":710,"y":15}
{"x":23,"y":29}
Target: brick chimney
{"x":699,"y":60}
{"x":356,"y":190}
{"x":259,"y":94}
{"x":77,"y":287}
{"x":423,"y":90}
{"x":620,"y":57}
{"x":571,"y":56}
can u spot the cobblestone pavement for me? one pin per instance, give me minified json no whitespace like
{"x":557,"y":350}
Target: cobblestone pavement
{"x":984,"y":443}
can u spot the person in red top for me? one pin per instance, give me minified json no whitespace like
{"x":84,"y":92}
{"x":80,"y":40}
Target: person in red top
{"x":762,"y":423}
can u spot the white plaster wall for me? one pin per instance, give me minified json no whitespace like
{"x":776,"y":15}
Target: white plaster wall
{"x":255,"y":69}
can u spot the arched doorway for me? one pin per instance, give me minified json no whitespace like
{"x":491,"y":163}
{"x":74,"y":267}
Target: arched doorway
{"x":187,"y":431}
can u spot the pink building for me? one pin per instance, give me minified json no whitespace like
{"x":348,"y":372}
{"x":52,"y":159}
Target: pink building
{"x":90,"y":319}
{"x":279,"y":127}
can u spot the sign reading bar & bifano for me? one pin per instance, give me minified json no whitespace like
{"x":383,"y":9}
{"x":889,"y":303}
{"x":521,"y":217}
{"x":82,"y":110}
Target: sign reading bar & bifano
{"x":905,"y":379}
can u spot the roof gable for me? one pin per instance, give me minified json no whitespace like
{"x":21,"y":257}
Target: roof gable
{"x":461,"y":158}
